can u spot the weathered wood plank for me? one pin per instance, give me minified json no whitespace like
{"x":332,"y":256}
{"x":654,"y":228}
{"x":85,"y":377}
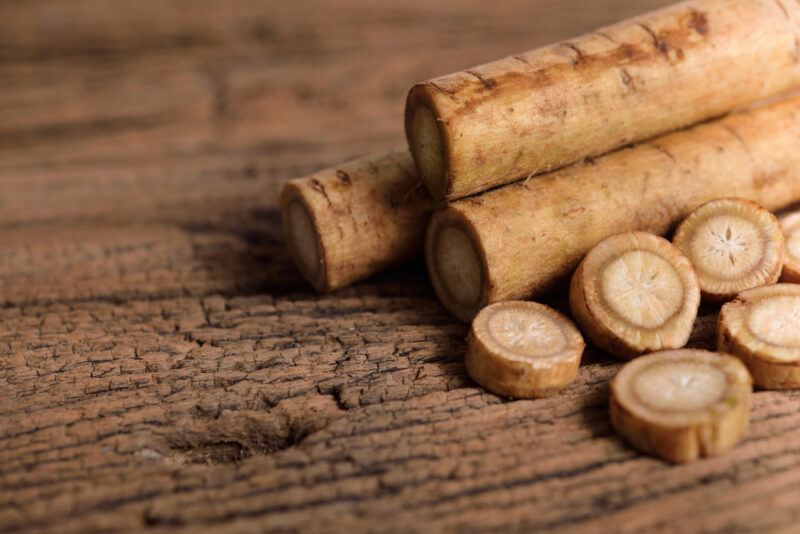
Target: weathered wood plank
{"x":162,"y":365}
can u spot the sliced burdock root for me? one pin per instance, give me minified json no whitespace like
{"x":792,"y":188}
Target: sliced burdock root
{"x":790,"y":224}
{"x":523,"y":350}
{"x":681,"y":405}
{"x":635,"y":293}
{"x":734,"y":245}
{"x":762,"y":327}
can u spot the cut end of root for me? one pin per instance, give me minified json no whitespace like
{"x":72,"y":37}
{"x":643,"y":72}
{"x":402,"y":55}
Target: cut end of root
{"x":456,"y":270}
{"x":523,"y":350}
{"x":303,"y":242}
{"x":762,"y":328}
{"x":635,"y":293}
{"x":681,"y":405}
{"x":790,"y":224}
{"x":734,"y":245}
{"x":428,"y":150}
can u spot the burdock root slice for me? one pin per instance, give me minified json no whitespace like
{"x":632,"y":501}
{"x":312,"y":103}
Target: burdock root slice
{"x":523,"y":350}
{"x":762,"y":327}
{"x":734,"y":245}
{"x":635,"y":293}
{"x":790,"y":224}
{"x":681,"y":405}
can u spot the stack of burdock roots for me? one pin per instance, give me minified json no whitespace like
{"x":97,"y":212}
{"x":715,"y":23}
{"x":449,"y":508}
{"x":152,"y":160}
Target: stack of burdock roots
{"x":498,"y":224}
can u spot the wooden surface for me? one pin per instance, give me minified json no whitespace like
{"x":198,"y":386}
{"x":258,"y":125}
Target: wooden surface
{"x":164,"y":366}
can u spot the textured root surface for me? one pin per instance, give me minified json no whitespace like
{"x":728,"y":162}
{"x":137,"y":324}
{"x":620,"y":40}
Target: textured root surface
{"x":162,"y":363}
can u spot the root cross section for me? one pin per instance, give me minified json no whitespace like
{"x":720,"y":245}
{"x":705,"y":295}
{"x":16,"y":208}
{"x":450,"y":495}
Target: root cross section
{"x":635,"y":293}
{"x":762,"y":327}
{"x":734,"y":245}
{"x":681,"y":405}
{"x":642,"y":288}
{"x":790,"y":224}
{"x":523,"y":350}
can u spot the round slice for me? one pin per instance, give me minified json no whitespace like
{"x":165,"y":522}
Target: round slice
{"x":734,"y":245}
{"x":762,"y":327}
{"x":523,"y":350}
{"x":790,"y":224}
{"x":304,"y":242}
{"x":681,"y":405}
{"x":635,"y":293}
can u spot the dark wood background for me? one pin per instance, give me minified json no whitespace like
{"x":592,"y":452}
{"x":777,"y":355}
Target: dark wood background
{"x":163,"y":365}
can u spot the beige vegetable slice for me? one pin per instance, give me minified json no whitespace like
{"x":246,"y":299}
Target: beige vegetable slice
{"x":523,"y":350}
{"x":635,"y":293}
{"x":681,"y":405}
{"x":734,"y":245}
{"x":762,"y":328}
{"x":790,"y":224}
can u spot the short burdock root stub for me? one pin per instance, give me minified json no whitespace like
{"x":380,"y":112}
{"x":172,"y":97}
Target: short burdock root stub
{"x":348,"y":222}
{"x":790,"y":224}
{"x":681,"y":405}
{"x":523,"y":350}
{"x":762,"y":327}
{"x":734,"y":245}
{"x":635,"y":293}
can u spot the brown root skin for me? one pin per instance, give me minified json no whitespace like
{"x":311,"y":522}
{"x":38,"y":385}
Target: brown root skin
{"x":679,"y":435}
{"x":506,"y":371}
{"x":609,"y":330}
{"x":531,"y":236}
{"x":764,"y":231}
{"x":734,"y":336}
{"x":790,"y":224}
{"x":556,"y":105}
{"x":364,"y":216}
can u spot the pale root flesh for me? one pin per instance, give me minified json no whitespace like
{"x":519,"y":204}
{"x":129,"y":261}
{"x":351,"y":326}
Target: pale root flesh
{"x":348,"y":222}
{"x":455,"y":268}
{"x":681,"y":405}
{"x":304,"y":239}
{"x":790,"y":224}
{"x":531,"y":236}
{"x":762,"y":327}
{"x":543,"y":109}
{"x":734,"y":245}
{"x":635,"y":293}
{"x":429,"y":149}
{"x":523,"y":350}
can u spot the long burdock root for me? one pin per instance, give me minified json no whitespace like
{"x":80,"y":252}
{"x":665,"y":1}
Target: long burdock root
{"x":635,"y":293}
{"x":790,"y":224}
{"x":523,"y":350}
{"x":681,"y":405}
{"x":543,"y":109}
{"x":348,"y":222}
{"x":762,"y":328}
{"x":734,"y":245}
{"x":522,"y":240}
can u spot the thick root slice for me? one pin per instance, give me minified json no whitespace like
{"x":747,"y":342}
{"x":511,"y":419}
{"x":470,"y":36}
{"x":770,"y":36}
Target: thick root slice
{"x":790,"y":224}
{"x":762,"y":328}
{"x":523,"y":350}
{"x":734,"y":245}
{"x":635,"y":293}
{"x":681,"y":405}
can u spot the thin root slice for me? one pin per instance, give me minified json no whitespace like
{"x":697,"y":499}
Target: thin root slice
{"x":635,"y":293}
{"x":523,"y":350}
{"x":790,"y":224}
{"x":762,"y":328}
{"x":734,"y":245}
{"x":681,"y":405}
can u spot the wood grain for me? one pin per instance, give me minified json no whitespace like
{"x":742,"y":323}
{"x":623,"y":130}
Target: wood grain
{"x":163,"y":365}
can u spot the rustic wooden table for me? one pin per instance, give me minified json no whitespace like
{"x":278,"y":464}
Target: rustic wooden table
{"x":163,"y":364}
